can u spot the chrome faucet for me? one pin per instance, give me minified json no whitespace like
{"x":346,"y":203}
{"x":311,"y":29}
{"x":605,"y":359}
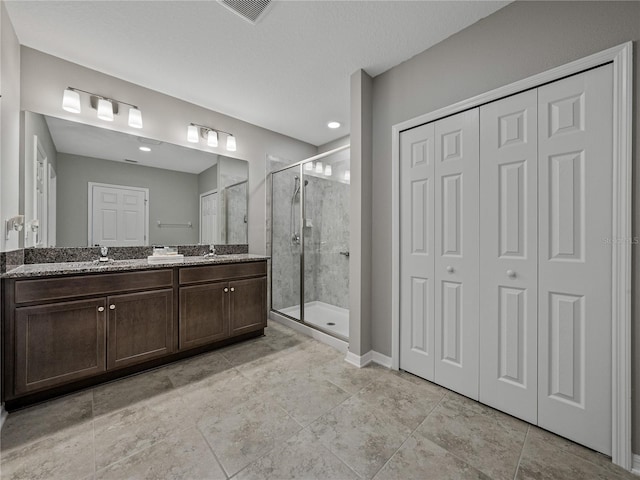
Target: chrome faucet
{"x":212,"y":251}
{"x":103,"y":254}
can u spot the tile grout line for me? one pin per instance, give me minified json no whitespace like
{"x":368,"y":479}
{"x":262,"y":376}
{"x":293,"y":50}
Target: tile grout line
{"x":226,"y":474}
{"x":410,"y":435}
{"x":524,"y":443}
{"x":93,"y":428}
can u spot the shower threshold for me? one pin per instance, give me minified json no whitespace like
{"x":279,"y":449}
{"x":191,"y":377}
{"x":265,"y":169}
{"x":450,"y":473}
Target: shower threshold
{"x":331,"y":319}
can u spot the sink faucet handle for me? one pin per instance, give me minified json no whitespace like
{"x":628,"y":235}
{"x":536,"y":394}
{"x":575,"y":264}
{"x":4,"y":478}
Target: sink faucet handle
{"x":212,"y":249}
{"x":104,"y":251}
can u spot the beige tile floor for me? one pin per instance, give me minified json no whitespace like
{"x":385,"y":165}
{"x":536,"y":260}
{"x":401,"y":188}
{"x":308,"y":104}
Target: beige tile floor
{"x":282,"y":406}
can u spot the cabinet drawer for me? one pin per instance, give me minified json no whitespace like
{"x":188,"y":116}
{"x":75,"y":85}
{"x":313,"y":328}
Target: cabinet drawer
{"x":212,"y":273}
{"x":54,"y":288}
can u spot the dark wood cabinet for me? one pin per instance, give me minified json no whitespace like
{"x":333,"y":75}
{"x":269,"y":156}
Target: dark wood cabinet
{"x":65,"y":332}
{"x":203,"y":314}
{"x":140,"y":327}
{"x":247,"y":305}
{"x":58,"y":343}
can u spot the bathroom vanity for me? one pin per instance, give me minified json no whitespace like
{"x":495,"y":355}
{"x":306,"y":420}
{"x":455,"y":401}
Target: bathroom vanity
{"x":71,"y":325}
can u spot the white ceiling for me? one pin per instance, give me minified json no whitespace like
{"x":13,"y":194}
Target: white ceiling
{"x":288,"y":73}
{"x":80,"y":139}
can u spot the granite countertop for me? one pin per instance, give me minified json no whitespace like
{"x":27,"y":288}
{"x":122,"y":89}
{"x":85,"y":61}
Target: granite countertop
{"x":70,"y":268}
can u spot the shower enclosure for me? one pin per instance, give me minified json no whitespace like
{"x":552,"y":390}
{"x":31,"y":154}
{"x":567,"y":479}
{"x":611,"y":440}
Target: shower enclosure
{"x":310,"y":242}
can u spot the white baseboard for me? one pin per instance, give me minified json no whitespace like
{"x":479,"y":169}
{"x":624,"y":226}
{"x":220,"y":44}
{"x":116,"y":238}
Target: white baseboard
{"x":334,"y":342}
{"x":359,"y":361}
{"x":3,"y":415}
{"x":367,"y":358}
{"x":635,"y":468}
{"x":381,"y":359}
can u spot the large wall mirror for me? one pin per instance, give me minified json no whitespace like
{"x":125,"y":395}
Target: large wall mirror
{"x":86,"y":186}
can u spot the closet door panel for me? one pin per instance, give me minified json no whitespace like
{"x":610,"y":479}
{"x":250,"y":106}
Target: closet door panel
{"x":417,"y":251}
{"x":509,"y":255}
{"x":456,"y":252}
{"x":575,"y":194}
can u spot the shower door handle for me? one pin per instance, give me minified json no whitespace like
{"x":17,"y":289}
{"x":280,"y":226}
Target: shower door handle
{"x":346,"y":254}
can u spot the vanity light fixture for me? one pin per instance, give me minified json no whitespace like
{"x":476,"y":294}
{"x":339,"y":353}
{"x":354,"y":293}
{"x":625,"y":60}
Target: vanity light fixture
{"x":106,"y":107}
{"x":318,"y":167}
{"x":196,"y":131}
{"x":144,"y":149}
{"x":327,"y":170}
{"x":333,"y":124}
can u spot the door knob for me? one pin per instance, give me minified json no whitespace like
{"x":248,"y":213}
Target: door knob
{"x":511,"y":274}
{"x":450,"y":269}
{"x":112,"y":307}
{"x":101,"y":309}
{"x":226,"y":289}
{"x":233,"y":289}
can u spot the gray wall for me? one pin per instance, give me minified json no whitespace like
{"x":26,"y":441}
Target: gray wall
{"x":44,"y":78}
{"x":516,"y":42}
{"x":9,"y":131}
{"x":361,"y":244}
{"x":208,"y":179}
{"x":173,"y":198}
{"x":9,"y":125}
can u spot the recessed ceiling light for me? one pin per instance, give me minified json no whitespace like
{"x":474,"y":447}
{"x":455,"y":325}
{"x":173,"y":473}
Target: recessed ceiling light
{"x":144,"y":149}
{"x":333,"y":124}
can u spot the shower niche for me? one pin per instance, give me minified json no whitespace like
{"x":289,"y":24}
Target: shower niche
{"x":310,"y":241}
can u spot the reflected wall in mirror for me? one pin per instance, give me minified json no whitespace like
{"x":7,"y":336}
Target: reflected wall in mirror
{"x":82,"y":186}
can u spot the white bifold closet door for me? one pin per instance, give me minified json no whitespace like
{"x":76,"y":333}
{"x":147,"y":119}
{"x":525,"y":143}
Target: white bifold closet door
{"x":439,"y":259}
{"x":575,"y":148}
{"x":417,"y":260}
{"x":456,"y":252}
{"x":509,"y":255}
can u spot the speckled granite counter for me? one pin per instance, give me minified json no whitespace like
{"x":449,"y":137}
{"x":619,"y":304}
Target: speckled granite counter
{"x":72,"y":268}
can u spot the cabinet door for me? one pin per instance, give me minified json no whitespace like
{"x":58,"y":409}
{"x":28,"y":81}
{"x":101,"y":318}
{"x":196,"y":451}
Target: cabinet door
{"x":509,"y":255}
{"x":248,"y":305}
{"x":140,"y":327}
{"x":456,"y":252}
{"x":58,"y":343}
{"x":204,"y":312}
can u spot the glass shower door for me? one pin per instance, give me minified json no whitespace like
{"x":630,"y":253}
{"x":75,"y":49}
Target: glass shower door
{"x":326,"y":183}
{"x":286,"y":242}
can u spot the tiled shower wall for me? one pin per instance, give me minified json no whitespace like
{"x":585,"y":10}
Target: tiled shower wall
{"x":325,"y":236}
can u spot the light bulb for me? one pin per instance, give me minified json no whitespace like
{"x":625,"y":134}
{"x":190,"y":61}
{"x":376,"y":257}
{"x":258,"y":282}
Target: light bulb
{"x":231,"y":143}
{"x":71,"y":101}
{"x":308,"y":166}
{"x":105,"y":110}
{"x":192,"y":134}
{"x":144,"y":149}
{"x":327,"y":170}
{"x":347,"y":175}
{"x":318,"y":167}
{"x":333,"y":124}
{"x":135,"y":118}
{"x":212,"y":138}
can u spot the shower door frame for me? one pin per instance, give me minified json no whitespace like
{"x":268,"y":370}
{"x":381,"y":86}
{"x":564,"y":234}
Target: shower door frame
{"x":300,"y":166}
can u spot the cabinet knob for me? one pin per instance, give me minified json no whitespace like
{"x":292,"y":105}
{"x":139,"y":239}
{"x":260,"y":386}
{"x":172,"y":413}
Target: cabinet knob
{"x":450,"y":269}
{"x":233,"y":289}
{"x":226,"y":289}
{"x":112,"y":307}
{"x":101,"y":309}
{"x":511,"y":274}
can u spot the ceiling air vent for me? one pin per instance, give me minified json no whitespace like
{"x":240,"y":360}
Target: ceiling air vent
{"x":250,"y":10}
